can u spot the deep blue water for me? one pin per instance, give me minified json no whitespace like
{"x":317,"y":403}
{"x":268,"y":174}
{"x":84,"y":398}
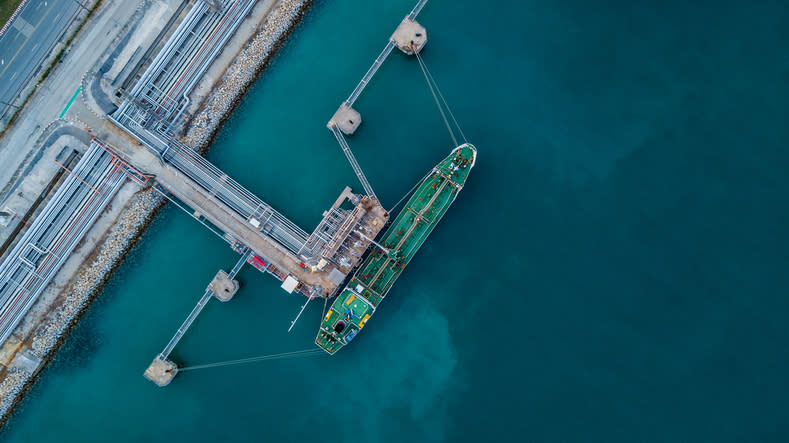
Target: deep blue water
{"x":615,"y":270}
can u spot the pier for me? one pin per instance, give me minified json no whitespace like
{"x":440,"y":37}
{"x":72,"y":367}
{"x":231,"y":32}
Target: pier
{"x":222,"y":287}
{"x":142,"y":132}
{"x":410,"y":37}
{"x":319,"y":262}
{"x":313,"y":265}
{"x":139,"y":142}
{"x":148,"y":116}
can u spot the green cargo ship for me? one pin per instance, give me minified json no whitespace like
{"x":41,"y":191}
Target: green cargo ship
{"x":357,"y":302}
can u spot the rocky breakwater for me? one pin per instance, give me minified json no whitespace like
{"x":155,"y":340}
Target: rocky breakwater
{"x":84,"y":286}
{"x":244,"y":70}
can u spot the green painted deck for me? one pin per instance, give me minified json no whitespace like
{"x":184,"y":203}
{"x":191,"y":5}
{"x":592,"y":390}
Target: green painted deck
{"x":376,"y":275}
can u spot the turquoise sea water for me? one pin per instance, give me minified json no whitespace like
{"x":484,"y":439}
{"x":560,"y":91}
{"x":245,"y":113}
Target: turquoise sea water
{"x":615,"y":270}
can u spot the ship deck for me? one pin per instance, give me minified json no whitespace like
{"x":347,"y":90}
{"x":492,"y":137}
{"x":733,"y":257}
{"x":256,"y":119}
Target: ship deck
{"x":408,"y":231}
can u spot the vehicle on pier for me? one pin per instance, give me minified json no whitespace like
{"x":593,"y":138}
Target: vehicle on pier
{"x":358,"y":300}
{"x":257,"y":262}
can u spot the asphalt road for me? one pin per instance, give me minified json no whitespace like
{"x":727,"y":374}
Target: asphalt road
{"x":18,"y":146}
{"x":28,"y":40}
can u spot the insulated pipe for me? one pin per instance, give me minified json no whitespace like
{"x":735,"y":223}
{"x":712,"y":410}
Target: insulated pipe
{"x":202,"y":65}
{"x":183,"y":108}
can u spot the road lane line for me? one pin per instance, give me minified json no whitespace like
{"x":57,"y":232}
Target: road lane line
{"x":25,"y":42}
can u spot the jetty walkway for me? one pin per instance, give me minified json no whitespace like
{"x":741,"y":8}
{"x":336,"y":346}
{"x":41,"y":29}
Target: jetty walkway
{"x":410,"y":37}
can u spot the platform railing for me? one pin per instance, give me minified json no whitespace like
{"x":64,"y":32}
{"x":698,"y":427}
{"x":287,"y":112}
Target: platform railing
{"x":368,"y":189}
{"x":179,"y":334}
{"x":417,"y":9}
{"x":357,"y":91}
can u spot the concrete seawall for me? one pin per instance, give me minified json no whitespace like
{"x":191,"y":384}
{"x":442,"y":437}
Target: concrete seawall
{"x":124,"y":228}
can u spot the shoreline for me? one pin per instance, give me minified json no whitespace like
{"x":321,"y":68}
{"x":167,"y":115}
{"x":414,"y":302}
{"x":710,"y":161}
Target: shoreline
{"x":88,"y":283}
{"x":83,"y":290}
{"x":202,"y":128}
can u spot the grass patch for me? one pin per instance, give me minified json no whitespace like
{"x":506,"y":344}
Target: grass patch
{"x":7,"y":7}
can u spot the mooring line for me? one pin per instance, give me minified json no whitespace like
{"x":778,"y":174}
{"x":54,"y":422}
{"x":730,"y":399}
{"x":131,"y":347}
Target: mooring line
{"x":435,"y":83}
{"x":284,"y":355}
{"x":438,"y":103}
{"x":410,"y":191}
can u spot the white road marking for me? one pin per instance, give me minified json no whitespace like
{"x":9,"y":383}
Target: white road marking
{"x":23,"y":26}
{"x":24,"y":43}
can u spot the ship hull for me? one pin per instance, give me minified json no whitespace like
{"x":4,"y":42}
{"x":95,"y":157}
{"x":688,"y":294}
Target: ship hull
{"x":357,"y":302}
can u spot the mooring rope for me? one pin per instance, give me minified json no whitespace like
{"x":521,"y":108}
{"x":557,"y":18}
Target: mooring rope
{"x":284,"y":355}
{"x":410,"y":191}
{"x":451,"y":114}
{"x":435,"y":97}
